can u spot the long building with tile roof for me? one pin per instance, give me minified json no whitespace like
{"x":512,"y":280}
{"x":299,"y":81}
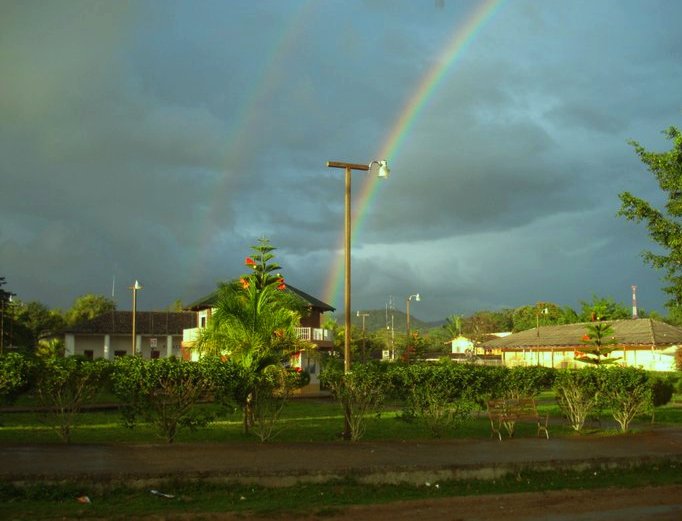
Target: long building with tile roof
{"x":643,"y":342}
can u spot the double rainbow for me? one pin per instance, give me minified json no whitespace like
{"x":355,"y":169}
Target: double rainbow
{"x":462,"y":37}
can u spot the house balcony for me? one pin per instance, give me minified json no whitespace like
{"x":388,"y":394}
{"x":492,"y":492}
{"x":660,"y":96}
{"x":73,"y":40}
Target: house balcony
{"x":189,"y":336}
{"x":318,"y":336}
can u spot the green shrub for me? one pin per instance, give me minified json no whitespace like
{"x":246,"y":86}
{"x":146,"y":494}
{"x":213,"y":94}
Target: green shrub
{"x":14,"y":376}
{"x":627,"y":391}
{"x":359,"y":392}
{"x":164,"y":392}
{"x":662,"y":390}
{"x":577,"y":393}
{"x":63,"y":385}
{"x":435,"y":394}
{"x":521,"y":382}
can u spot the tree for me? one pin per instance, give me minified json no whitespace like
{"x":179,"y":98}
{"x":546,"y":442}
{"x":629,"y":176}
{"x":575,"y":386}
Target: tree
{"x":453,"y":325}
{"x":598,"y":342}
{"x":6,"y":316}
{"x":34,"y":322}
{"x":664,"y":225}
{"x":483,"y":323}
{"x":89,"y":306}
{"x":602,"y":308}
{"x":254,"y":326}
{"x":4,"y":295}
{"x":541,"y":314}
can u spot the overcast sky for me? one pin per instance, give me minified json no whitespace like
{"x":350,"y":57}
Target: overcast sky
{"x":157,"y":140}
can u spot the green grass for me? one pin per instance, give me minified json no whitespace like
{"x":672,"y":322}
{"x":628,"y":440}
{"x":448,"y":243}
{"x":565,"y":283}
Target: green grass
{"x":41,"y":501}
{"x":302,"y":420}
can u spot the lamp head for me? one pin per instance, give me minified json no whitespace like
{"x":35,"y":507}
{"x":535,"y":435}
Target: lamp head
{"x":137,"y":285}
{"x":417,"y":298}
{"x":380,"y":169}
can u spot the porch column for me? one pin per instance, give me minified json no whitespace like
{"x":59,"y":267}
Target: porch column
{"x":106,"y":354}
{"x":69,"y":345}
{"x":169,"y":346}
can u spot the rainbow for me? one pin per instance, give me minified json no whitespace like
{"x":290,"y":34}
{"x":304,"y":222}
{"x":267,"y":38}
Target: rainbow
{"x":462,"y":37}
{"x":247,"y":120}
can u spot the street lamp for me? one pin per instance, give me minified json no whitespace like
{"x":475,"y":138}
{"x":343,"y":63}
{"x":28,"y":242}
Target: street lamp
{"x":381,"y":170}
{"x":364,"y":316}
{"x":407,"y":305}
{"x":135,"y":287}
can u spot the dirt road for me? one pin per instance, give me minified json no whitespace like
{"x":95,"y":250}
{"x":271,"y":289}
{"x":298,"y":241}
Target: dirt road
{"x":648,"y":503}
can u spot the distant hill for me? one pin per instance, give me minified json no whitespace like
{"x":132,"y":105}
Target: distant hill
{"x":378,"y":321}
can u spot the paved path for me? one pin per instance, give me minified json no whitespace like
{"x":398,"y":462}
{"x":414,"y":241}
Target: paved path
{"x":288,"y":463}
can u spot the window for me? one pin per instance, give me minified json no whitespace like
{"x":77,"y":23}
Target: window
{"x":155,"y":354}
{"x":118,"y":354}
{"x":89,"y":354}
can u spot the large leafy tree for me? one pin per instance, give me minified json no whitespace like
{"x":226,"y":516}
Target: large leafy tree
{"x":33,"y":322}
{"x":482,"y":323}
{"x":665,"y":224}
{"x":89,"y":306}
{"x":254,"y":326}
{"x":603,"y":308}
{"x":6,"y":315}
{"x":542,"y":314}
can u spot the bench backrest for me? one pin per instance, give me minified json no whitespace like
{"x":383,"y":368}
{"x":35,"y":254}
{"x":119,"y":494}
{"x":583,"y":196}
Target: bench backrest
{"x":517,"y":406}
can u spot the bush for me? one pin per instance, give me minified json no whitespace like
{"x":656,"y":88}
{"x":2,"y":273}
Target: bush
{"x":577,"y":393}
{"x":64,"y":385}
{"x":359,"y":392}
{"x":14,"y":376}
{"x":164,"y":392}
{"x":443,"y":394}
{"x":627,"y":391}
{"x":662,"y":390}
{"x":527,"y":382}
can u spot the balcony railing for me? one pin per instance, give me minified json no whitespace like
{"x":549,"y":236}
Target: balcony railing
{"x":190,"y":335}
{"x":314,"y":334}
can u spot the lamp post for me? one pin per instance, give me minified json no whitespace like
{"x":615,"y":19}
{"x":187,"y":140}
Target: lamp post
{"x":135,"y":287}
{"x":407,"y":305}
{"x":364,"y":316}
{"x":380,"y":168}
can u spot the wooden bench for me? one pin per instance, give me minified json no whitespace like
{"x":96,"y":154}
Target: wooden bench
{"x":505,"y":412}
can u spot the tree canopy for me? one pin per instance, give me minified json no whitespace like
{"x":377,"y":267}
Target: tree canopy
{"x":665,"y":224}
{"x":89,"y":306}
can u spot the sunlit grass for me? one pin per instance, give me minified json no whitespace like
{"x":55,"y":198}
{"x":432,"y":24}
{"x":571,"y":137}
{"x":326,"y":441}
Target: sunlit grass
{"x":306,"y":420}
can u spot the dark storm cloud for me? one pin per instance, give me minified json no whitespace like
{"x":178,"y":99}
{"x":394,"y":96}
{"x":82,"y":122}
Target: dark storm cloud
{"x":158,"y":141}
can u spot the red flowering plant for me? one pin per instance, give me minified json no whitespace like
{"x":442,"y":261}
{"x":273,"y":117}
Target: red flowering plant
{"x":598,"y":341}
{"x":280,"y":284}
{"x":254,"y":325}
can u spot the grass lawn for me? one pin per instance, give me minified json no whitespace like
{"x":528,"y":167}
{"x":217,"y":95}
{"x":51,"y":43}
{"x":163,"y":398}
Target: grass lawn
{"x":302,"y":420}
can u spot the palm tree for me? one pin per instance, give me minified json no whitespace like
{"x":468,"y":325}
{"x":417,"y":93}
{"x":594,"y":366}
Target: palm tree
{"x":254,"y":326}
{"x":453,"y":325}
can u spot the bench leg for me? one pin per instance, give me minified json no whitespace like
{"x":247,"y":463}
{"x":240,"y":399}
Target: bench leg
{"x":495,"y":430}
{"x":543,"y":427}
